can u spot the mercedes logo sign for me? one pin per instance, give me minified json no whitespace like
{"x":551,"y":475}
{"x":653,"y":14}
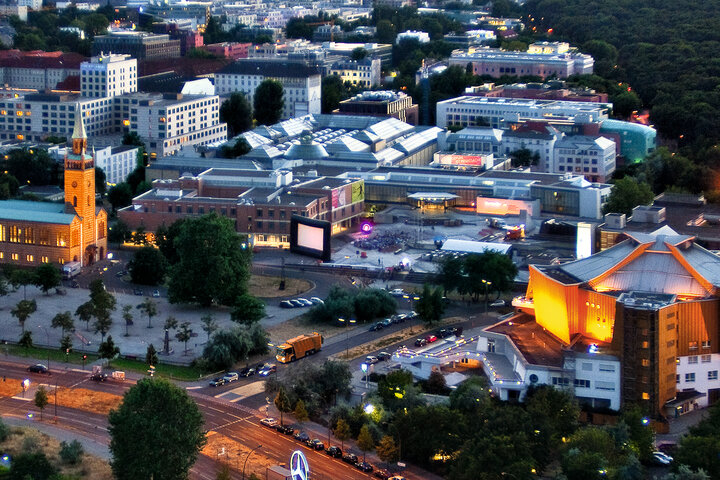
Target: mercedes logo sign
{"x":299,"y":468}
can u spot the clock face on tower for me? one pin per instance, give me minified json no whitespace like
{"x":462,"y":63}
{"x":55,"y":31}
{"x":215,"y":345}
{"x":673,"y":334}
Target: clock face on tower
{"x":74,"y":184}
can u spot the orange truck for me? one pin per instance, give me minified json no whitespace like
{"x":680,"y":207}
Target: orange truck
{"x":299,"y":347}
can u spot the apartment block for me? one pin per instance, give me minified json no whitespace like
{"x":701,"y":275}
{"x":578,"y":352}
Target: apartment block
{"x":139,"y":45}
{"x":108,"y":76}
{"x":361,"y":73}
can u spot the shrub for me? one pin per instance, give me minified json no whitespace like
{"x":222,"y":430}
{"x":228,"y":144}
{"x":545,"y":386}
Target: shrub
{"x":71,"y":453}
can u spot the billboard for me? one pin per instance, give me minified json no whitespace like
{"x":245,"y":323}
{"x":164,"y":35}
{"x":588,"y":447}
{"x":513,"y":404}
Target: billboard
{"x":584,"y":246}
{"x":358,"y":191}
{"x":310,"y":237}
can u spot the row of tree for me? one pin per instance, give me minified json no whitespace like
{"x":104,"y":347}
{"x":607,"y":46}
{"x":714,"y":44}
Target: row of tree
{"x":363,"y":305}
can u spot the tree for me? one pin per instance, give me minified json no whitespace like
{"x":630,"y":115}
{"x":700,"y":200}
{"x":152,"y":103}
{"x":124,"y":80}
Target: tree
{"x":358,"y":54}
{"x":386,"y":32}
{"x":247,"y":310}
{"x":238,"y":149}
{"x":524,"y":158}
{"x":100,"y":181}
{"x":365,"y":440}
{"x":120,"y":195}
{"x":30,"y":166}
{"x":213,"y":262}
{"x":128,"y":317}
{"x":184,"y":334}
{"x":148,"y":266}
{"x":223,"y":473}
{"x":236,"y":112}
{"x":268,"y":102}
{"x":64,"y":321}
{"x":71,"y":453}
{"x":165,"y":240}
{"x":66,"y":343}
{"x":450,"y":274}
{"x":21,"y":278}
{"x":149,"y":308}
{"x":84,"y":312}
{"x":282,"y":402}
{"x":300,"y":412}
{"x":108,"y":349}
{"x":213,"y":32}
{"x":626,"y":194}
{"x":160,"y":420}
{"x":209,"y":325}
{"x":34,"y":466}
{"x":102,"y":325}
{"x":23,"y":310}
{"x":26,"y":340}
{"x":41,"y":399}
{"x":430,"y":307}
{"x":625,"y":104}
{"x":132,"y":139}
{"x":332,"y":93}
{"x":387,"y":450}
{"x":436,"y":383}
{"x":151,"y":357}
{"x":342,"y":432}
{"x":47,"y":276}
{"x":493,"y":267}
{"x":685,"y":473}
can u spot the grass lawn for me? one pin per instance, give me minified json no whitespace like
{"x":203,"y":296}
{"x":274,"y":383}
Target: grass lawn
{"x":175,"y":372}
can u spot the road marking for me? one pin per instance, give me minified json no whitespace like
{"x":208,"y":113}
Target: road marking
{"x":244,"y":391}
{"x":192,"y":388}
{"x":21,"y":398}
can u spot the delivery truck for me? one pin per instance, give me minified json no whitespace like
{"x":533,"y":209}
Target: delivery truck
{"x":71,"y":270}
{"x":299,"y":347}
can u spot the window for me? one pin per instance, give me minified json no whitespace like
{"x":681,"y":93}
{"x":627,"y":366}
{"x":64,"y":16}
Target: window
{"x":605,"y":386}
{"x":30,"y":258}
{"x":692,"y":359}
{"x":706,"y":358}
{"x":44,"y":259}
{"x":646,"y":396}
{"x":581,"y":383}
{"x":713,"y":375}
{"x":645,"y":362}
{"x":706,"y":344}
{"x":677,"y":378}
{"x":587,"y":367}
{"x":606,"y":367}
{"x":15,"y":256}
{"x":14,"y":234}
{"x":563,"y":382}
{"x":645,"y":344}
{"x":693,"y":345}
{"x":690,"y":377}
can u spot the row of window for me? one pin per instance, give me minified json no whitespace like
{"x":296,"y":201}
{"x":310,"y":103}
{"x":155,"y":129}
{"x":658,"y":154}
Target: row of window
{"x":693,"y":359}
{"x":690,"y":377}
{"x":581,"y":383}
{"x":15,"y":257}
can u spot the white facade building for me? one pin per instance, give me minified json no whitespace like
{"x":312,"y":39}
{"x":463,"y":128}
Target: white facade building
{"x":699,"y":373}
{"x":108,"y":76}
{"x":116,"y":162}
{"x":592,"y":157}
{"x":468,"y":110}
{"x":31,"y":4}
{"x":301,"y":84}
{"x":422,"y":37}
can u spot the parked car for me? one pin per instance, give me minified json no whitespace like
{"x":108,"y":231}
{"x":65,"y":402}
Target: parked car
{"x":383,"y":356}
{"x":231,"y":377}
{"x":457,"y":331}
{"x":218,"y":382}
{"x":305,"y":302}
{"x":267,"y":369}
{"x":301,"y":437}
{"x":247,"y":372}
{"x":660,"y":458}
{"x":99,"y":377}
{"x":411,"y":315}
{"x":139,"y":292}
{"x":371,"y":360}
{"x":350,"y":458}
{"x":38,"y":368}
{"x":285,"y":429}
{"x":364,"y":467}
{"x":443,"y":332}
{"x":334,"y":451}
{"x":269,"y":422}
{"x":431,"y":338}
{"x":377,"y":327}
{"x":297,"y":303}
{"x":286,"y":304}
{"x":156,"y":293}
{"x":398,"y":318}
{"x":420,"y":342}
{"x":317,"y":300}
{"x":397,"y":477}
{"x":382,"y":474}
{"x":120,"y":274}
{"x":397,"y":292}
{"x":498,"y":303}
{"x":316,"y":444}
{"x":387,"y":322}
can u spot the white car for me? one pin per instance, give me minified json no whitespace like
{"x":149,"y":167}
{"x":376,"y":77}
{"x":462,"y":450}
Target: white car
{"x":269,"y":422}
{"x":371,"y":360}
{"x":231,"y":377}
{"x":662,"y":458}
{"x":397,"y":292}
{"x":498,"y":303}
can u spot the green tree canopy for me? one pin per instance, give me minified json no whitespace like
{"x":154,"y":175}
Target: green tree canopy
{"x":160,"y":420}
{"x":47,"y":277}
{"x":626,"y":194}
{"x":148,"y":266}
{"x":247,"y":310}
{"x":237,"y":113}
{"x":213,"y":262}
{"x":430,"y":307}
{"x":268,"y":102}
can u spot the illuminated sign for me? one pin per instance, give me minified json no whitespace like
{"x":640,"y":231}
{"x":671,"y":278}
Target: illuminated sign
{"x":299,"y":468}
{"x":583,"y":248}
{"x":467,"y":160}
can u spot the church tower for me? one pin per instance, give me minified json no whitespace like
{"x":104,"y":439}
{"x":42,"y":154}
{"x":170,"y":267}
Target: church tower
{"x":80,"y":188}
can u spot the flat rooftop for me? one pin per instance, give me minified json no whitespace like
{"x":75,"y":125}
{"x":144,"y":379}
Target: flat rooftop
{"x":537,"y":345}
{"x":528,"y":103}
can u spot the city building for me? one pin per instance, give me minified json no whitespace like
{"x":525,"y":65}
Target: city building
{"x":636,"y":141}
{"x":116,"y":162}
{"x":197,"y":12}
{"x":551,"y":90}
{"x":381,"y":104}
{"x":30,"y":4}
{"x":139,"y":45}
{"x":108,"y":75}
{"x":37,"y":69}
{"x":421,"y":37}
{"x":232,"y":50}
{"x":32,"y":233}
{"x":470,"y":38}
{"x":651,"y":301}
{"x":542,"y":59}
{"x":360,"y":73}
{"x":393,"y":3}
{"x":592,"y":157}
{"x":260,"y":202}
{"x":467,"y":111}
{"x":301,"y":83}
{"x":383,"y":51}
{"x":328,"y":33}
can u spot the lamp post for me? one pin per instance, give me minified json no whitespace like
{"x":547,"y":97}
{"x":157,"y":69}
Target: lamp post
{"x":248,"y":458}
{"x":487,"y":284}
{"x":48,"y":344}
{"x":347,"y":334}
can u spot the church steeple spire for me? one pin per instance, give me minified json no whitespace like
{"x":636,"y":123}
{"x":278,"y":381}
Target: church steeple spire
{"x":79,"y":136}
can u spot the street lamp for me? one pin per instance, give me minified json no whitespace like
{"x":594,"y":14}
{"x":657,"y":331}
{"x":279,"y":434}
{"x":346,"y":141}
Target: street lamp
{"x":48,"y":344}
{"x":25,"y":385}
{"x":347,"y":335}
{"x":248,"y":458}
{"x":487,"y":284}
{"x":364,"y":368}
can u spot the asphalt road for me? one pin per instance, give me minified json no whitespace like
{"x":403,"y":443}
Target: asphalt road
{"x":232,"y":420}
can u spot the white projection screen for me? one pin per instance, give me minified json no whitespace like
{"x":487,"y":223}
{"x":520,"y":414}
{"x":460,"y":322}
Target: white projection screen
{"x":310,"y":237}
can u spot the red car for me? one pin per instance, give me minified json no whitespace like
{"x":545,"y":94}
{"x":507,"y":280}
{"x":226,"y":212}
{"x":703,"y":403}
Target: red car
{"x":431,"y":338}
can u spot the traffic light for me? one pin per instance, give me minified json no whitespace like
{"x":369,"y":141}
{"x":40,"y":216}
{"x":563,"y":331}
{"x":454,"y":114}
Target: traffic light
{"x":151,"y":371}
{"x":84,"y":358}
